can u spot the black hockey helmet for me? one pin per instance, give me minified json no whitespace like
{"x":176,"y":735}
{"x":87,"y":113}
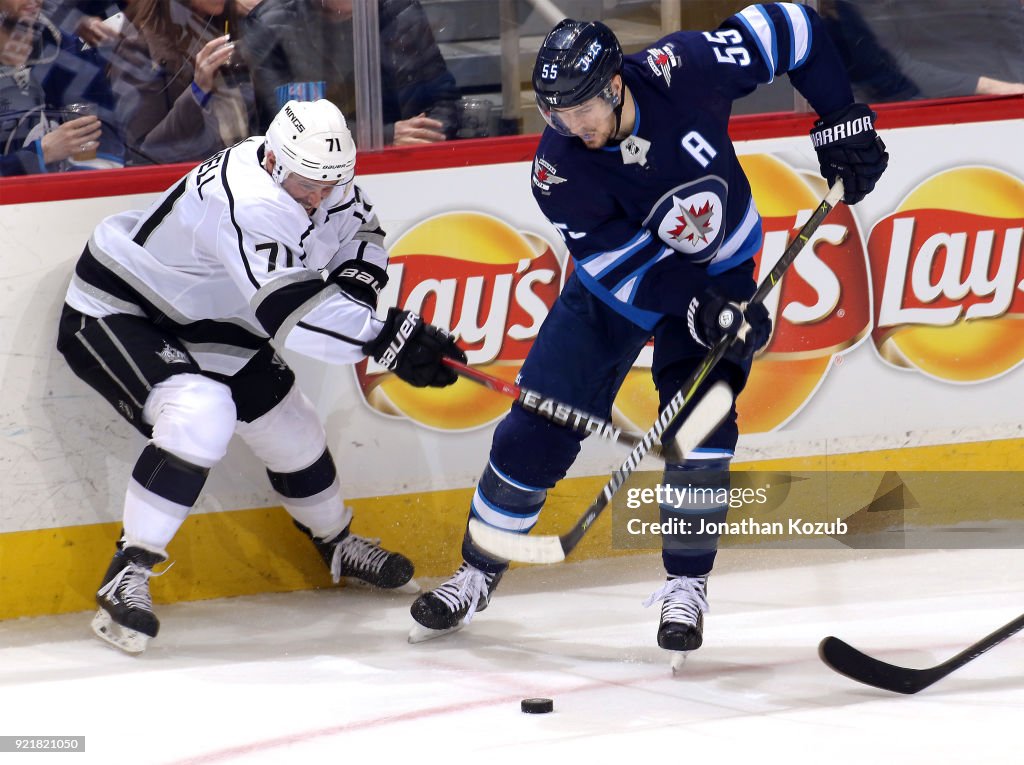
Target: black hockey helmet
{"x":576,"y":62}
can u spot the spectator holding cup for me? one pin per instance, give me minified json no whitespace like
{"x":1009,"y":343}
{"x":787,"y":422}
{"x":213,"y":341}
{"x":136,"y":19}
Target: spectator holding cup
{"x":39,"y":131}
{"x":83,"y":114}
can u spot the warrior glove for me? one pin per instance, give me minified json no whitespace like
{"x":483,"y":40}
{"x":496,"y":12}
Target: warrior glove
{"x":415,"y":350}
{"x":711,"y":317}
{"x":849,"y":148}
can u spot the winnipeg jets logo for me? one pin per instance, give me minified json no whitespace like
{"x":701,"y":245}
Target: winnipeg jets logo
{"x":691,"y":218}
{"x":662,"y":61}
{"x":172,"y":355}
{"x":694,"y":224}
{"x":544,"y":176}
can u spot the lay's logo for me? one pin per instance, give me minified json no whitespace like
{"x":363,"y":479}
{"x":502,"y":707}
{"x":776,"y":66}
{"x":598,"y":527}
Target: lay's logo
{"x":948,"y":276}
{"x":490,"y":285}
{"x":939,"y":289}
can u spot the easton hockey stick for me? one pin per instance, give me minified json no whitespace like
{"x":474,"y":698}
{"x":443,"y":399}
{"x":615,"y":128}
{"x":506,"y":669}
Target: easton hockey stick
{"x":509,"y":545}
{"x":847,"y":660}
{"x":708,"y":413}
{"x":549,"y":408}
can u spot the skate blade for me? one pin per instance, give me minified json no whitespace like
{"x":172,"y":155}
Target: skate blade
{"x":421,"y":634}
{"x":128,"y":640}
{"x":412,"y":587}
{"x":677,"y":661}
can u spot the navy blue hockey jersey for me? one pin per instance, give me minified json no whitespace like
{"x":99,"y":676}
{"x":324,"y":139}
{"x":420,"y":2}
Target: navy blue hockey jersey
{"x":648,"y":231}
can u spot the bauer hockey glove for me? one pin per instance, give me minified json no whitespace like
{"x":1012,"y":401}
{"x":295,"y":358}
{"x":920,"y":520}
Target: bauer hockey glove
{"x":415,"y":350}
{"x":710,"y":317}
{"x":849,"y":148}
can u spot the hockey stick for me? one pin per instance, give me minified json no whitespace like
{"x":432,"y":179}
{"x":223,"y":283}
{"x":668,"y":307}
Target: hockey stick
{"x":549,"y":408}
{"x":847,"y":660}
{"x":708,"y":413}
{"x":508,"y":545}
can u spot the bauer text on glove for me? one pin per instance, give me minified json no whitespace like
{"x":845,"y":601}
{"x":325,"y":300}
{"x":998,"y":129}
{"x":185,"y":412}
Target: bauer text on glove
{"x":415,"y":350}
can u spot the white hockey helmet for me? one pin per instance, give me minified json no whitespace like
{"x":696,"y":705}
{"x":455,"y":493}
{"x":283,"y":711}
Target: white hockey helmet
{"x":311,"y":139}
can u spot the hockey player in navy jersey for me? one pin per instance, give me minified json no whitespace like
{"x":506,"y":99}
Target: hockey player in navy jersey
{"x":173,"y":314}
{"x":637,"y":173}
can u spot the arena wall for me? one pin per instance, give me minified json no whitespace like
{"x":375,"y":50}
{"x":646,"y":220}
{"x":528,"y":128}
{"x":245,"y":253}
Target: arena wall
{"x":897,"y":346}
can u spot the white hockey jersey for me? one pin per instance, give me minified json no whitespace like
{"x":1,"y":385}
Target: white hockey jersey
{"x":226,"y":259}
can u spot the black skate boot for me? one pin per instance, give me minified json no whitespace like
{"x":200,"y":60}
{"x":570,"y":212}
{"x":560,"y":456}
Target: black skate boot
{"x":682,"y":615}
{"x":125,"y":618}
{"x":364,"y":560}
{"x":451,"y":606}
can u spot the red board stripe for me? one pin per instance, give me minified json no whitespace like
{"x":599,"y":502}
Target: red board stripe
{"x":489,"y":151}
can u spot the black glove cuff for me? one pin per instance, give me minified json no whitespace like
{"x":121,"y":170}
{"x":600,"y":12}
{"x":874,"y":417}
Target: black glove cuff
{"x":360,"y":280}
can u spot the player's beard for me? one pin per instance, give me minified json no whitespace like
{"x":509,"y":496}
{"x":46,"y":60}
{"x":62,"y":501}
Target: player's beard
{"x":595,"y":142}
{"x":598,"y":138}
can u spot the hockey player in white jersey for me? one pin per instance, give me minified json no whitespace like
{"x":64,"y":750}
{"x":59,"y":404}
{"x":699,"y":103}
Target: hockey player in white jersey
{"x":174,"y":313}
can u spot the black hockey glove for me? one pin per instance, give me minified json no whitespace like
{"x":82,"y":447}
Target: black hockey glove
{"x":414,"y":350}
{"x":711,"y":317}
{"x":849,"y":148}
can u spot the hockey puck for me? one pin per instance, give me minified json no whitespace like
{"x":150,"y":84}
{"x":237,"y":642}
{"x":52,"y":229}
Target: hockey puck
{"x":537,"y":706}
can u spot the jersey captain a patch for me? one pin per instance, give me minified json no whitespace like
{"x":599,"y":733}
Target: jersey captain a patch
{"x":689,"y":218}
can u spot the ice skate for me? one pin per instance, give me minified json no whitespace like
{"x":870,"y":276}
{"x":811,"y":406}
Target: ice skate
{"x":125,"y":618}
{"x":451,"y":606}
{"x":363,"y":560}
{"x":684,"y":601}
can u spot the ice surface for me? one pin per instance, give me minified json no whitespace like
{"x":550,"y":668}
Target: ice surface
{"x":328,"y":677}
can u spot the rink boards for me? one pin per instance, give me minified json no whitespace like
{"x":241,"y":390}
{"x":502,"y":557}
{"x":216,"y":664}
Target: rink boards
{"x":897,"y":347}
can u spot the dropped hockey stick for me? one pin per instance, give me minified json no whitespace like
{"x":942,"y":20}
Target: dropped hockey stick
{"x":509,"y":545}
{"x":549,"y":408}
{"x":847,"y":660}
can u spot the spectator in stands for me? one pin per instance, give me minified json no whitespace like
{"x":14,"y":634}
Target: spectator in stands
{"x":92,"y":21}
{"x":872,"y":69}
{"x":950,"y":47}
{"x":179,"y":96}
{"x":303,"y":49}
{"x":41,"y":72}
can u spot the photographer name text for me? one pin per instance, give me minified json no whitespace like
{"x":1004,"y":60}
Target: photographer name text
{"x":748,"y":526}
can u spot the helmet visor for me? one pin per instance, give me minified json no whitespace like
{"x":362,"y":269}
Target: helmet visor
{"x":308,"y":185}
{"x":583,"y":120}
{"x":314,"y":193}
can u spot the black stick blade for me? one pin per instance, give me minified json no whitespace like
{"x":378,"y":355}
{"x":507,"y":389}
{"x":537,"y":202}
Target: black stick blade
{"x":847,"y":660}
